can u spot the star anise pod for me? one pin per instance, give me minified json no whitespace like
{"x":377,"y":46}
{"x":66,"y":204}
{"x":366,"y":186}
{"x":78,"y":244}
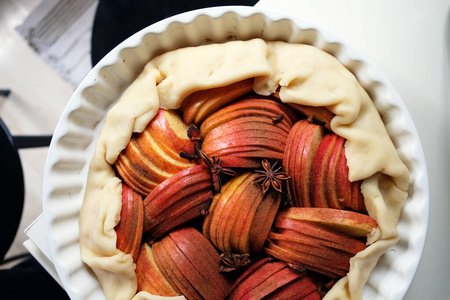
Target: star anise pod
{"x":271,"y":176}
{"x":232,"y":261}
{"x":216,"y":169}
{"x":194,"y":133}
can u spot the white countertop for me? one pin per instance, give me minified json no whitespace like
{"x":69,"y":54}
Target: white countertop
{"x":409,"y":42}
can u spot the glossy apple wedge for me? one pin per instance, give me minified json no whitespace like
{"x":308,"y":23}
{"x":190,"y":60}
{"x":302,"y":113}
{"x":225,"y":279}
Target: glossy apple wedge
{"x":178,"y":199}
{"x":319,"y":171}
{"x":270,"y":279}
{"x":199,"y":105}
{"x":251,"y":106}
{"x":235,"y":216}
{"x":351,"y":223}
{"x":193,"y":264}
{"x":326,"y":236}
{"x":313,"y":246}
{"x":129,"y":228}
{"x":154,"y":155}
{"x":301,"y":146}
{"x":149,"y":276}
{"x":329,"y":183}
{"x":244,"y":133}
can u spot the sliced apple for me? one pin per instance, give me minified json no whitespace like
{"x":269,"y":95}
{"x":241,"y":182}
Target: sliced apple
{"x":319,"y":171}
{"x":328,"y":237}
{"x":234,"y":213}
{"x":177,"y":200}
{"x":199,"y":105}
{"x":129,"y":228}
{"x":301,"y":147}
{"x":154,"y":155}
{"x":251,"y":106}
{"x":170,"y":258}
{"x":204,"y":258}
{"x":149,"y":276}
{"x":300,"y":288}
{"x":305,"y":260}
{"x":193,"y":262}
{"x":348,"y":222}
{"x":270,"y":279}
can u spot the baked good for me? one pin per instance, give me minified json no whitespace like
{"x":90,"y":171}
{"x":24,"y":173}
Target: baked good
{"x":300,"y":74}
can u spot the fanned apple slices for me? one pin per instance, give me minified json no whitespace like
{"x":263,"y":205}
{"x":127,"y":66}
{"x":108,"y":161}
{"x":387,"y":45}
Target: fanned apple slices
{"x":240,"y":217}
{"x":247,"y":131}
{"x":129,"y":228}
{"x":316,"y":162}
{"x":199,"y":105}
{"x":204,"y":207}
{"x":177,"y":200}
{"x":301,"y":146}
{"x":269,"y":279}
{"x":190,"y":264}
{"x":154,"y":155}
{"x":319,"y":239}
{"x":329,"y":184}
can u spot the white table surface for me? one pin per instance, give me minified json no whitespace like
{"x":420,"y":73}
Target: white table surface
{"x":409,"y":42}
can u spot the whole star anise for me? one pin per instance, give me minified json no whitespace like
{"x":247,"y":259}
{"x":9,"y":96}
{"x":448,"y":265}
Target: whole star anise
{"x":271,"y":176}
{"x":217,"y":171}
{"x":232,"y":261}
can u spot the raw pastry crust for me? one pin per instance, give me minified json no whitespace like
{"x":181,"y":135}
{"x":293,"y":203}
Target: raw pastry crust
{"x":307,"y":76}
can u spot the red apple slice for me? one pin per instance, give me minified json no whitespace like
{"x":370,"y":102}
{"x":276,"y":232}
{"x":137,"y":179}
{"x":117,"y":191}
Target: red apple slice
{"x":333,"y":181}
{"x":178,"y":265}
{"x":348,"y":222}
{"x":203,"y":271}
{"x":149,"y":276}
{"x":319,"y":171}
{"x":272,"y":283}
{"x":154,"y":155}
{"x":199,"y":105}
{"x":326,"y":236}
{"x":304,"y":141}
{"x":252,"y":106}
{"x":297,"y":289}
{"x":129,"y":228}
{"x":308,"y":261}
{"x":255,"y":278}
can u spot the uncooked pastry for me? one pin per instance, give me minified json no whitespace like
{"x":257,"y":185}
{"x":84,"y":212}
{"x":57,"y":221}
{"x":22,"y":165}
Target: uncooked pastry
{"x":307,"y":75}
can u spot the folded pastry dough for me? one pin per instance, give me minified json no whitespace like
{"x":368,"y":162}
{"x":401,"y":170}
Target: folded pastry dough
{"x":308,"y":76}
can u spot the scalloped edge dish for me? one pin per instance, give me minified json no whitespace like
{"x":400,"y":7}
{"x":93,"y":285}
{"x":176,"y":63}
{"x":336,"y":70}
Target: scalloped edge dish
{"x":76,"y":133}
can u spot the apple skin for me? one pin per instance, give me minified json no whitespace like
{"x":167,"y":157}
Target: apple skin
{"x":319,"y":171}
{"x":177,"y":200}
{"x":250,"y":106}
{"x":129,"y":228}
{"x":154,"y":155}
{"x":301,"y":146}
{"x":149,"y":276}
{"x":193,"y":264}
{"x":351,"y":223}
{"x":271,"y":279}
{"x":199,"y":105}
{"x":232,"y":224}
{"x":318,"y":238}
{"x":247,"y":131}
{"x":329,"y":183}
